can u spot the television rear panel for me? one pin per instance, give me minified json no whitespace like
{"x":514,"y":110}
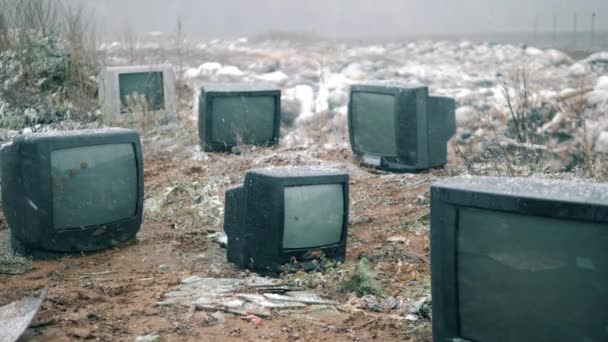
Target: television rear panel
{"x":442,"y":126}
{"x":398,"y":127}
{"x":284,"y":214}
{"x":130,"y":94}
{"x":235,"y":114}
{"x":519,"y":260}
{"x":74,"y":191}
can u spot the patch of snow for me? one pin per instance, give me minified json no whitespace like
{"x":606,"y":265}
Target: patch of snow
{"x":532,"y":51}
{"x":274,"y":77}
{"x":354,"y":71}
{"x":598,"y":57}
{"x":465,"y":115}
{"x":230,"y":70}
{"x":304,"y":94}
{"x":601,"y":144}
{"x":558,"y":58}
{"x":577,"y":69}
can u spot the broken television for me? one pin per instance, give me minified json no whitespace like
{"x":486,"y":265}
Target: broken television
{"x":72,"y":192}
{"x":287,"y":218}
{"x":519,"y":260}
{"x":238,"y":114}
{"x":399,"y":128}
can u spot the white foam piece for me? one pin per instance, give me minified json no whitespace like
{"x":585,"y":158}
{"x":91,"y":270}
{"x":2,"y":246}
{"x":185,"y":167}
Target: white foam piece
{"x":602,"y":83}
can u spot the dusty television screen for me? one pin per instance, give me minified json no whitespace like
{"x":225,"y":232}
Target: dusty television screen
{"x":313,"y":216}
{"x":242,"y":119}
{"x":373,"y":123}
{"x":141,"y":90}
{"x":93,"y":185}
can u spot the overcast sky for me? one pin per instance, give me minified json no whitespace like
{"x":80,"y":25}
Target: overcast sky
{"x":346,"y":18}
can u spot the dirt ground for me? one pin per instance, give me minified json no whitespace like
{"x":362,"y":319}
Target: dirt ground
{"x":111,"y":295}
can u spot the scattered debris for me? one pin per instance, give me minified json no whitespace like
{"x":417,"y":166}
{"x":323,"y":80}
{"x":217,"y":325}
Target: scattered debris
{"x":219,"y":316}
{"x":421,"y":307}
{"x":191,"y":280}
{"x":264,"y":302}
{"x":11,"y":263}
{"x":14,"y":264}
{"x":411,"y":318}
{"x":400,"y":239}
{"x":98,"y":273}
{"x":392,"y":303}
{"x":17,"y":316}
{"x":254,"y":320}
{"x":301,"y":297}
{"x":370,"y":303}
{"x":148,"y":338}
{"x":241,"y":297}
{"x":220,"y":238}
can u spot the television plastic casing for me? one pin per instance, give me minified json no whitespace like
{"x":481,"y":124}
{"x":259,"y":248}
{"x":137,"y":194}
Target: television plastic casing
{"x":424,"y":124}
{"x":254,"y":218}
{"x":204,"y":107}
{"x":27,"y":194}
{"x":531,"y":197}
{"x":109,"y":94}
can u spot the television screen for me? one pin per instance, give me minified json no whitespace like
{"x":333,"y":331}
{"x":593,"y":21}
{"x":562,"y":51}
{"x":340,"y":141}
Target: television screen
{"x":141,"y":89}
{"x":93,"y":185}
{"x":373,"y":123}
{"x":250,"y":119}
{"x":530,"y":278}
{"x":313,"y":215}
{"x":233,"y":114}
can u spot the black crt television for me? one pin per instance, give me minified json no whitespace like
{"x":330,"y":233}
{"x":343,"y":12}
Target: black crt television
{"x":234,"y":114}
{"x":399,"y":128}
{"x":284,"y":218}
{"x":73,"y":191}
{"x":519,"y":260}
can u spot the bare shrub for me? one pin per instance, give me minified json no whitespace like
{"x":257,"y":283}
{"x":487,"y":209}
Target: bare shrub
{"x":540,"y":136}
{"x":573,"y":106}
{"x":179,"y":38}
{"x":80,"y":44}
{"x":518,"y":149}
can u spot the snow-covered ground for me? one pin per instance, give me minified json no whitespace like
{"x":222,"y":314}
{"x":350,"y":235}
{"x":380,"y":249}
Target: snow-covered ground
{"x":315,"y":76}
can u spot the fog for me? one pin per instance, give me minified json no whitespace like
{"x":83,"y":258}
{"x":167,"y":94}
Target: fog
{"x":347,"y":18}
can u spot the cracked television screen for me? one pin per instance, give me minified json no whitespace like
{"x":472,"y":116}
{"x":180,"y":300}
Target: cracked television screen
{"x":93,"y":185}
{"x":314,"y":216}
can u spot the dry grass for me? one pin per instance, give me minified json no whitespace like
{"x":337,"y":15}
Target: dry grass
{"x":531,"y":140}
{"x":54,"y":47}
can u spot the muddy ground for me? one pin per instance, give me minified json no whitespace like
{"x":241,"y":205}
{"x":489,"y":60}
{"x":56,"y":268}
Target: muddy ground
{"x":112,"y":295}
